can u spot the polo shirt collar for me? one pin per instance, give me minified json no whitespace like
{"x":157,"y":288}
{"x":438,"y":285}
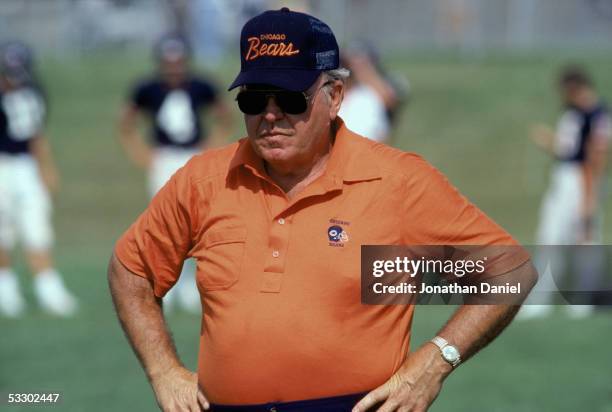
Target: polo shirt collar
{"x":246,"y":156}
{"x":349,"y":161}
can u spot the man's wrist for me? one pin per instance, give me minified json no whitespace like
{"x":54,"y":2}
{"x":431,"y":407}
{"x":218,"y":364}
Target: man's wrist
{"x":160,"y":371}
{"x":447,"y":351}
{"x":438,"y":364}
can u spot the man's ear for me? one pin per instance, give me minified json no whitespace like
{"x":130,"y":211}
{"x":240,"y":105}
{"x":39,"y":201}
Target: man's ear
{"x":336,"y":95}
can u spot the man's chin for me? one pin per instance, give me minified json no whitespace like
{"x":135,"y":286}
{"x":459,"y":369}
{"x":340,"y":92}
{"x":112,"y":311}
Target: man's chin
{"x":276,"y":156}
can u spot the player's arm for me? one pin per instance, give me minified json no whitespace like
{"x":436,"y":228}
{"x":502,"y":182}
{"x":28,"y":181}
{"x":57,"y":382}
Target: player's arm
{"x":365,"y":72}
{"x":472,"y":327}
{"x":221,"y":119}
{"x":131,"y":140}
{"x":41,"y":151}
{"x":596,"y":154}
{"x":140,"y":314}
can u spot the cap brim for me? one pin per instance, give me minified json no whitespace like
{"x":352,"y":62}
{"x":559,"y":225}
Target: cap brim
{"x":288,"y":79}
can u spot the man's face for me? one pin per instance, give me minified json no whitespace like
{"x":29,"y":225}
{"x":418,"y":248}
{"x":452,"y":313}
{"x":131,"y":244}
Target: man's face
{"x":289,"y":141}
{"x":174,"y":71}
{"x":571,"y":93}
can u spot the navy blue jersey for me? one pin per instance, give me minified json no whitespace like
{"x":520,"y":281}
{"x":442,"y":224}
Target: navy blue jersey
{"x":22,"y":114}
{"x":576,"y":127}
{"x":175,"y":113}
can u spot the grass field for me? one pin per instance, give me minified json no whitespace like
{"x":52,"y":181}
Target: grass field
{"x":468,"y":117}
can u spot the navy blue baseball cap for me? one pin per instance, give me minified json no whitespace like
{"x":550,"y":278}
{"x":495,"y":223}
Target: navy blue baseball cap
{"x":16,"y":61}
{"x":171,"y":46}
{"x":286,"y":49}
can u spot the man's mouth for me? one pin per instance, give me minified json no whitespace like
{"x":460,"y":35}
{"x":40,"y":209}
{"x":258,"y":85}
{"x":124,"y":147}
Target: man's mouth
{"x":273,"y":133}
{"x":273,"y":139}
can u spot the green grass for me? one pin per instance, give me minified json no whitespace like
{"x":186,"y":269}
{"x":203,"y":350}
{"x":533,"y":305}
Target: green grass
{"x":469,"y":118}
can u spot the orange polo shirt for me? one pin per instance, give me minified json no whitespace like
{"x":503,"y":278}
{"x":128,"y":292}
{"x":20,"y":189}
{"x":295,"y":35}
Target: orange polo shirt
{"x":282,"y":318}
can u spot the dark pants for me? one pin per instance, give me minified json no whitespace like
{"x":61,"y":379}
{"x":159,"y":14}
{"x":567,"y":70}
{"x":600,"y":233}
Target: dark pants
{"x":335,"y":404}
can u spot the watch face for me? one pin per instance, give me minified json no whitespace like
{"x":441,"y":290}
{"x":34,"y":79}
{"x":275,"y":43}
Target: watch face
{"x":450,"y":353}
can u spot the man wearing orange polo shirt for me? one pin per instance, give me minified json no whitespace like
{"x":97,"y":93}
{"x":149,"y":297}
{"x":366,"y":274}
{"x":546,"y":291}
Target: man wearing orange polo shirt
{"x":275,"y":223}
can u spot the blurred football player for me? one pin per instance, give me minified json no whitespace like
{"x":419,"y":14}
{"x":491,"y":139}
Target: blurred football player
{"x":372,"y":98}
{"x":173,"y":100}
{"x":27,"y":177}
{"x":570,"y":212}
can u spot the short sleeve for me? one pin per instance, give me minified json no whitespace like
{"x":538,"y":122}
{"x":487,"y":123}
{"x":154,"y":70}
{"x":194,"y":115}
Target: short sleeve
{"x":141,"y":95}
{"x":156,"y":245}
{"x":204,"y":92}
{"x":445,"y":217}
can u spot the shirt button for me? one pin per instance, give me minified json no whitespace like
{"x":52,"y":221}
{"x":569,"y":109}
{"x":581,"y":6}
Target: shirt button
{"x":276,"y":254}
{"x":281,"y":221}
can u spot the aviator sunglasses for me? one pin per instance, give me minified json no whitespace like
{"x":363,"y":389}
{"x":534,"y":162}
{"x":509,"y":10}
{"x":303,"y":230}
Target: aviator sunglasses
{"x":255,"y":101}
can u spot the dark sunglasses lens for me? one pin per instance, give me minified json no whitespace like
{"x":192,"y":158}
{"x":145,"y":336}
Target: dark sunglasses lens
{"x":292,"y":102}
{"x":255,"y":102}
{"x":251,"y":102}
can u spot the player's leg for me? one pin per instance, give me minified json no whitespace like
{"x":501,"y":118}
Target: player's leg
{"x":49,"y":287}
{"x":588,"y":268}
{"x":12,"y":303}
{"x":556,"y":227}
{"x":588,"y":265}
{"x":35,"y":230}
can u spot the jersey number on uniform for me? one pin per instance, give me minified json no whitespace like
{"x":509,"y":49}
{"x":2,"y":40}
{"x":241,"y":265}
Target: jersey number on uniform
{"x":25,"y":112}
{"x":176,"y":117}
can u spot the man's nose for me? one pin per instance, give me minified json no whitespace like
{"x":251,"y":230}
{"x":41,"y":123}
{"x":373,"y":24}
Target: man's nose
{"x":272,"y":112}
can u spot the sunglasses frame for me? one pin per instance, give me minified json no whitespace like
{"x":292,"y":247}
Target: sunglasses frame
{"x":268,"y":93}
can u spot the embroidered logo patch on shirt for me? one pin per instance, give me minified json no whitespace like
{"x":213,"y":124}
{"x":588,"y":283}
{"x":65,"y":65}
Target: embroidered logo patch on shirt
{"x":336,"y":234}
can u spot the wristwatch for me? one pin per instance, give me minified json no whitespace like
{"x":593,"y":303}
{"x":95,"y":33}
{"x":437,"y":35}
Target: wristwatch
{"x":448,"y":351}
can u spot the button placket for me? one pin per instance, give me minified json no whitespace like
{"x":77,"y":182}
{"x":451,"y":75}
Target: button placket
{"x":274,"y":268}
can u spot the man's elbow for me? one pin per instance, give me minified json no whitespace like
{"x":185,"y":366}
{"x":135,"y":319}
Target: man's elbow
{"x":113,"y":274}
{"x":118,"y":279}
{"x":126,"y":285}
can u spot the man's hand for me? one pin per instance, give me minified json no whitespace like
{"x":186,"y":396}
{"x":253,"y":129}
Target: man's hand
{"x":415,"y":385}
{"x":177,"y":390}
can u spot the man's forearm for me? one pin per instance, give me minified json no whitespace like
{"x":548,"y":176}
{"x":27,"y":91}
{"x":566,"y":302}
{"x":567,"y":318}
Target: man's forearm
{"x":136,"y":149}
{"x":222,"y":126}
{"x":140,"y":314}
{"x":472,"y":327}
{"x":41,"y":151}
{"x":131,"y":140}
